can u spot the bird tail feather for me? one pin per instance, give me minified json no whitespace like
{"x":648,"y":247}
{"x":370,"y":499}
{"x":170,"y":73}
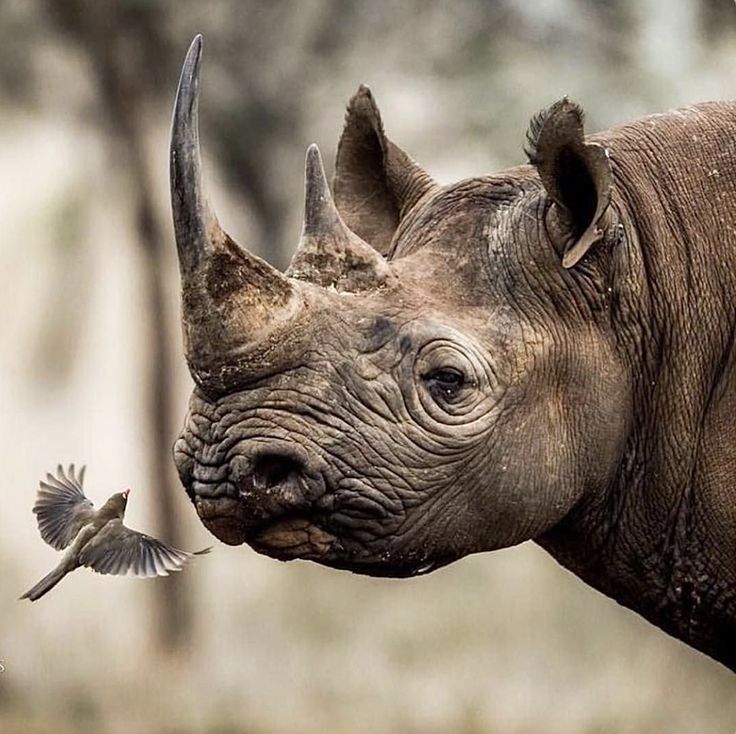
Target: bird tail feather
{"x":45,"y":584}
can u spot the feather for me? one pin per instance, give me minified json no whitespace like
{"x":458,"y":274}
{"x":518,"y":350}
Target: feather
{"x":119,"y":550}
{"x":62,"y":508}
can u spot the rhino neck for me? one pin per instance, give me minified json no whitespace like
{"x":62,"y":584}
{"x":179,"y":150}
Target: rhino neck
{"x":662,"y":539}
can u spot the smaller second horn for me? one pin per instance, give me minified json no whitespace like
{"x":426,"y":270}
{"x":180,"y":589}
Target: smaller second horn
{"x":329,"y":254}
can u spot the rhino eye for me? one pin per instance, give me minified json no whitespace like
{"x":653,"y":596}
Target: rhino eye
{"x":444,"y":382}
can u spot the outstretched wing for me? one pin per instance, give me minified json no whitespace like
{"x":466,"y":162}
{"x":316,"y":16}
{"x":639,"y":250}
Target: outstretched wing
{"x":118,"y":550}
{"x":62,"y":508}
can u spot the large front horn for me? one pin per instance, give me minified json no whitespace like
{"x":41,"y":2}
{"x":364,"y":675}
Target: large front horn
{"x":231,"y":300}
{"x":329,"y":254}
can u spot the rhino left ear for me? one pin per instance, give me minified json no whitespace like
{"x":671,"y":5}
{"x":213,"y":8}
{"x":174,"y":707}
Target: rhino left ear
{"x":577,"y":176}
{"x":376,"y":183}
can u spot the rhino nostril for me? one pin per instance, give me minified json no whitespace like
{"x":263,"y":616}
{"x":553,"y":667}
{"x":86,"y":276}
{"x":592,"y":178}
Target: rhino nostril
{"x":271,"y":470}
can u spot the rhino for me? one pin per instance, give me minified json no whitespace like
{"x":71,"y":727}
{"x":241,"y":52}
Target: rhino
{"x":546,"y":353}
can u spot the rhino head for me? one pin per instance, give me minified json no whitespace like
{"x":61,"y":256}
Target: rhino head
{"x":434,"y":375}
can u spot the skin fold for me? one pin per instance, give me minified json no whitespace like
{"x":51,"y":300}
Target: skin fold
{"x":545,"y":353}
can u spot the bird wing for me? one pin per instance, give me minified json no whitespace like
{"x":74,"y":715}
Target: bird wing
{"x":116,"y":549}
{"x":62,"y":508}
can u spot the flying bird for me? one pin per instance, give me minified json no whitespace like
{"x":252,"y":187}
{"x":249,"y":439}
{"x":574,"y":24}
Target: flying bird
{"x":93,"y":538}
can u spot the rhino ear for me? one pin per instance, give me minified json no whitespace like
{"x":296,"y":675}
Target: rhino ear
{"x":576,"y":175}
{"x":375,"y":182}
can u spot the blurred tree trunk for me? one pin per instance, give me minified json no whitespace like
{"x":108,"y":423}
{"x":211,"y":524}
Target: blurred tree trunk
{"x":112,"y":34}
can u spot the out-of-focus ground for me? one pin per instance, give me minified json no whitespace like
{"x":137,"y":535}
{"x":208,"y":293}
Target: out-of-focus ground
{"x":505,"y":643}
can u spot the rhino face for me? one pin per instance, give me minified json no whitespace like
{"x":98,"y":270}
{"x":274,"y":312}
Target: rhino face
{"x":390,"y":414}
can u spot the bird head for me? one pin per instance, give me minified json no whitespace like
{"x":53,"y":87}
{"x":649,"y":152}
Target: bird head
{"x":115,"y":505}
{"x":123,"y":499}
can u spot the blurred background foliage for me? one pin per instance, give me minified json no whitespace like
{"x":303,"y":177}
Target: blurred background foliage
{"x":92,"y":369}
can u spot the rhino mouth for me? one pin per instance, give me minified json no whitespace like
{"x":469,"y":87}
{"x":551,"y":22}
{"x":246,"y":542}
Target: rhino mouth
{"x":306,"y":534}
{"x":290,"y":534}
{"x":293,"y":536}
{"x":319,"y":522}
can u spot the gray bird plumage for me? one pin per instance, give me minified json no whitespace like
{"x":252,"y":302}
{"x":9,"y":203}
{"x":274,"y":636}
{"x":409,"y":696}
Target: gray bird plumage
{"x":96,"y":539}
{"x":61,"y":507}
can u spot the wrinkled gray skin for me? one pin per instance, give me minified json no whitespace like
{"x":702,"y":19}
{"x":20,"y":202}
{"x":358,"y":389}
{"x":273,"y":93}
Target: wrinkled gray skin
{"x":546,"y":353}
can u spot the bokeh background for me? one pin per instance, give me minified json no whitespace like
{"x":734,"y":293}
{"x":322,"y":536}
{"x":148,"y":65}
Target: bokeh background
{"x":91,"y":366}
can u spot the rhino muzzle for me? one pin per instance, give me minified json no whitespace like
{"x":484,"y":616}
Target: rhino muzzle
{"x":271,"y":497}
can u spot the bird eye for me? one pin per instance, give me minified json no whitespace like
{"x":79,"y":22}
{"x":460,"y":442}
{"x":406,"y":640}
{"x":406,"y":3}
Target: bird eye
{"x":444,"y":382}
